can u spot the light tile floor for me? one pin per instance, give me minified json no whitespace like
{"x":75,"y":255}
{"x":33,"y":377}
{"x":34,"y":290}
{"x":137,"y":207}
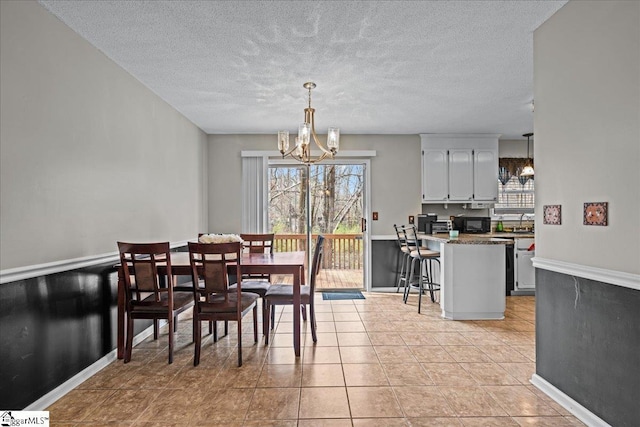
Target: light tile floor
{"x":377,"y":362}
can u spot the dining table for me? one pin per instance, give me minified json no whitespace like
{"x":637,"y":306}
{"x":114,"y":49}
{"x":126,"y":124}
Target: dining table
{"x":277,"y":263}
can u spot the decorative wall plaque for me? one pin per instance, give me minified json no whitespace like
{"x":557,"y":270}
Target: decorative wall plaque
{"x":596,"y":213}
{"x":552,"y":214}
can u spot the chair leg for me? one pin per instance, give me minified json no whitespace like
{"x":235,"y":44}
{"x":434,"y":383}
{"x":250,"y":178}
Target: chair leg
{"x":198,"y":341}
{"x":397,"y":280}
{"x":430,"y":280}
{"x":170,"y":339}
{"x":175,"y":323}
{"x":266,"y":317}
{"x":303,"y":309}
{"x":239,"y":341}
{"x":273,"y":316}
{"x":193,"y":329}
{"x":129,"y":344}
{"x":420,"y":284}
{"x":402,"y":276}
{"x":312,"y":314}
{"x":431,"y":276}
{"x":155,"y":329}
{"x":255,"y":323}
{"x":215,"y":330}
{"x":226,"y":328}
{"x":407,"y":286}
{"x":407,"y":278}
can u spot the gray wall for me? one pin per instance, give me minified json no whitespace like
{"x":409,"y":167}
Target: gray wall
{"x":515,"y":147}
{"x":587,"y":128}
{"x":88,"y":154}
{"x":395,"y":177}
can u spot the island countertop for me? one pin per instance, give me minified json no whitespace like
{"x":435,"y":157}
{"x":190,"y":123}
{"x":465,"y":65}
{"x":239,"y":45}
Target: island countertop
{"x":476,"y":239}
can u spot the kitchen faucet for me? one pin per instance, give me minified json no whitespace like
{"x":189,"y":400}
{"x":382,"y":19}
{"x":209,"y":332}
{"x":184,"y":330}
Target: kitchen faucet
{"x":522,"y":216}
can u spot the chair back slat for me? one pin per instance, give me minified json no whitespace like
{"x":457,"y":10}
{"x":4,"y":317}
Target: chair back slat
{"x":258,"y":243}
{"x":411,"y":237}
{"x":401,"y":234}
{"x":214,"y":275}
{"x":210,"y":267}
{"x":145,"y":274}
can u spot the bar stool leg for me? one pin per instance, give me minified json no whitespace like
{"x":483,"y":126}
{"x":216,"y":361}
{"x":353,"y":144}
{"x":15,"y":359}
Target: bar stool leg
{"x":398,"y":270}
{"x":403,"y":271}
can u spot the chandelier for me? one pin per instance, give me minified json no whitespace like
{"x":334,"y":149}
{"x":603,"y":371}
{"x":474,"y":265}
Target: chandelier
{"x":306,"y":131}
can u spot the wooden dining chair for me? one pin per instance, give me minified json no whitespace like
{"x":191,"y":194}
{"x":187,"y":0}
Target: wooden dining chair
{"x":214,"y":298}
{"x":147,"y":295}
{"x":257,"y":283}
{"x":283,"y":294}
{"x":258,"y":243}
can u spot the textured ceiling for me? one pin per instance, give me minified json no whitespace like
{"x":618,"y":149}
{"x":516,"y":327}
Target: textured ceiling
{"x":382,"y":67}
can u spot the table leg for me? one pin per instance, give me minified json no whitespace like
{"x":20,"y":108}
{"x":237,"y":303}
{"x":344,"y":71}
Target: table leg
{"x":120,"y":316}
{"x":296,"y":310}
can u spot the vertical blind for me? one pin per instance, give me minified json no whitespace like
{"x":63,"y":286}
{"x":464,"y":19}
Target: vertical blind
{"x":254,"y":192}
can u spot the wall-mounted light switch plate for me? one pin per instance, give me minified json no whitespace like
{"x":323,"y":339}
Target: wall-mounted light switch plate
{"x":375,"y":216}
{"x":411,"y":219}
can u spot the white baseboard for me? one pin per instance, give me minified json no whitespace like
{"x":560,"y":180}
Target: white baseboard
{"x":579,"y":411}
{"x":54,"y":395}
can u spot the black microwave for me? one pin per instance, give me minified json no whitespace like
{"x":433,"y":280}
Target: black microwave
{"x":472,"y":224}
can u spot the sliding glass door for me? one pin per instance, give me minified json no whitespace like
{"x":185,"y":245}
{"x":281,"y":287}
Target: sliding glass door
{"x":337,"y":201}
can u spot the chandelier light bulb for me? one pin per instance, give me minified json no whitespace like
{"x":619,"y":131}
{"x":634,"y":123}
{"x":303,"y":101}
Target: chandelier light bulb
{"x":333,"y":139}
{"x":304,"y":132}
{"x":283,"y":141}
{"x":299,"y":147}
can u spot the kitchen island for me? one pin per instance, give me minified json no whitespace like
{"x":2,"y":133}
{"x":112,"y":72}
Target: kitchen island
{"x":472,"y":275}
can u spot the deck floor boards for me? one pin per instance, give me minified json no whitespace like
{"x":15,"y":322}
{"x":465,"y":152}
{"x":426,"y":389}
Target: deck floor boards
{"x":331,"y":279}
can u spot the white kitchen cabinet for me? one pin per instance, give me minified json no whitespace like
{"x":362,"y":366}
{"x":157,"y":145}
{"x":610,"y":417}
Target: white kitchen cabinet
{"x":460,"y":175}
{"x":459,"y":168}
{"x":485,"y":175}
{"x":435,"y":171}
{"x":525,"y":275}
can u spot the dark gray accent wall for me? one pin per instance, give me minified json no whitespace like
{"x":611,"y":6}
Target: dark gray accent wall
{"x":53,"y":327}
{"x":383,"y":263}
{"x":588,"y":343}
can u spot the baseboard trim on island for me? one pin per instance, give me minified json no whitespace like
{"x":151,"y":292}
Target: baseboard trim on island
{"x":473,"y":315}
{"x":579,"y":411}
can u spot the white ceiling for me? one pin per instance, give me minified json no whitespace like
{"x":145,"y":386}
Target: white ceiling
{"x":382,"y":67}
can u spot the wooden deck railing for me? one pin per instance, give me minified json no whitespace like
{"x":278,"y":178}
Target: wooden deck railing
{"x":341,"y":251}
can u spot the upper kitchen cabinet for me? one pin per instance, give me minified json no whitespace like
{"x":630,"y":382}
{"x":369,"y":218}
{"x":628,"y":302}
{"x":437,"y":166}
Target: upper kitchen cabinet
{"x":459,"y":168}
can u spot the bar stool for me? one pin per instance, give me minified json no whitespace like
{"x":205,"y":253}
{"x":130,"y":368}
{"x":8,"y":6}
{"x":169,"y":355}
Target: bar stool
{"x":402,"y":260}
{"x":424,"y":259}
